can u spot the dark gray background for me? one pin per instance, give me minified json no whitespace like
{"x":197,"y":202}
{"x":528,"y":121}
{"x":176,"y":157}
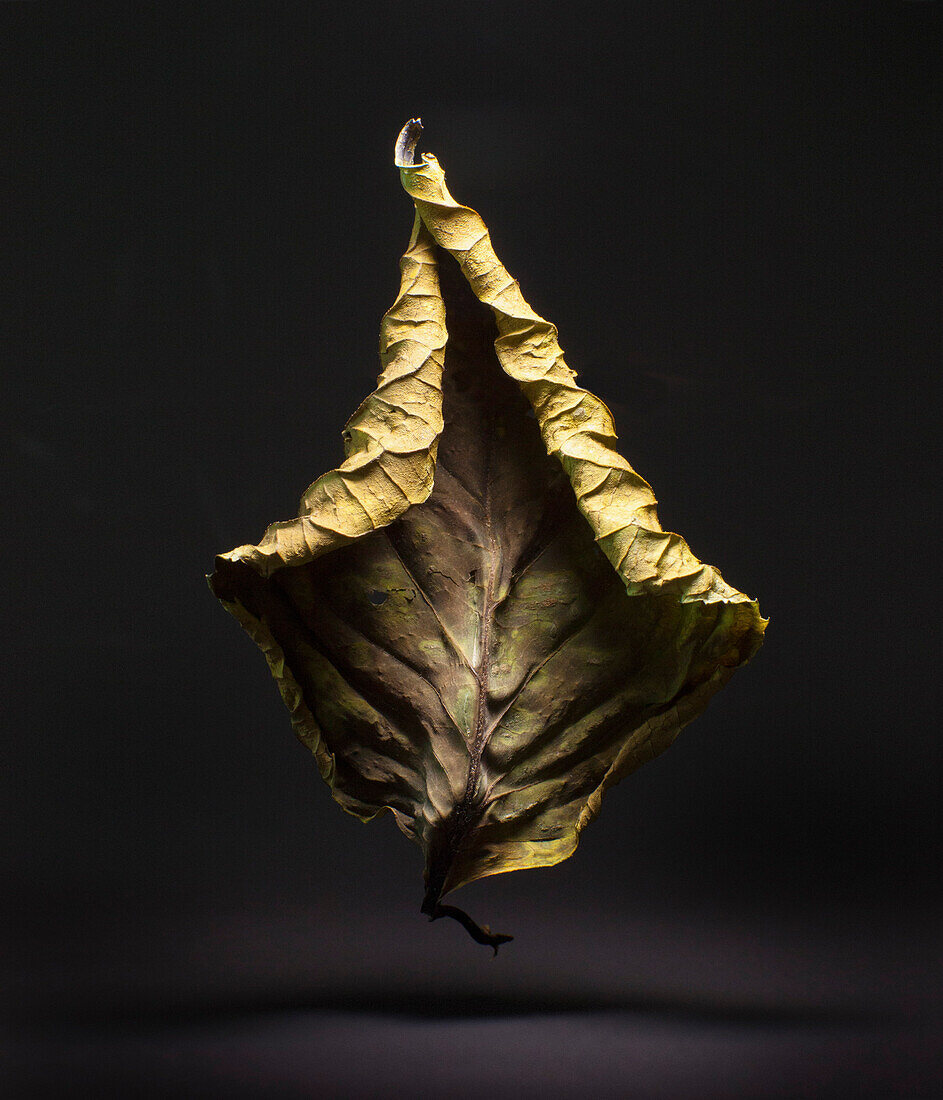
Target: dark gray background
{"x":729,"y":210}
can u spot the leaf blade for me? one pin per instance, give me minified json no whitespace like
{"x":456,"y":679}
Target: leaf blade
{"x":476,"y":621}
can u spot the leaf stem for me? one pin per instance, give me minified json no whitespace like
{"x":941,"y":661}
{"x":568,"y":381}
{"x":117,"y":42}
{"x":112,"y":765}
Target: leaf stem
{"x":435,"y":910}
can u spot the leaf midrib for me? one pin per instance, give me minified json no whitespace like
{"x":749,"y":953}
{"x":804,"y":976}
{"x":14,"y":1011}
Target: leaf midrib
{"x":482,"y":667}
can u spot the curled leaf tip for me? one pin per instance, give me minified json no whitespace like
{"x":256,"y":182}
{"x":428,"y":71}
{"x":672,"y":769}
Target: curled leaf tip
{"x":405,"y":154}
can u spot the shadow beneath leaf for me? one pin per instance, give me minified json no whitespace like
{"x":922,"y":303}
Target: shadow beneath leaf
{"x":424,"y":1004}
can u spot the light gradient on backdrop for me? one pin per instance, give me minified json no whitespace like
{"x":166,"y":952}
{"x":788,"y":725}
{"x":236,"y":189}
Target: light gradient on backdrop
{"x":749,"y":196}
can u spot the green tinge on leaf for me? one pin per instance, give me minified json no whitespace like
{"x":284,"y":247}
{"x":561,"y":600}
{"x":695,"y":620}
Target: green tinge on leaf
{"x":476,"y":621}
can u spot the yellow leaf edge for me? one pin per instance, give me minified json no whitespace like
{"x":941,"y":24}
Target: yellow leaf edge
{"x":389,"y":442}
{"x":576,"y":426}
{"x":390,"y":451}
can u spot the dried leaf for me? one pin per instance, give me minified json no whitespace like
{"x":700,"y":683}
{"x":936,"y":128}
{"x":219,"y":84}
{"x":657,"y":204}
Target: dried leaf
{"x":476,"y":621}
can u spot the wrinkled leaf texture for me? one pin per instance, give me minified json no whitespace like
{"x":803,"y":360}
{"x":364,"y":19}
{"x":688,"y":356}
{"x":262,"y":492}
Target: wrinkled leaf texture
{"x":476,"y":622}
